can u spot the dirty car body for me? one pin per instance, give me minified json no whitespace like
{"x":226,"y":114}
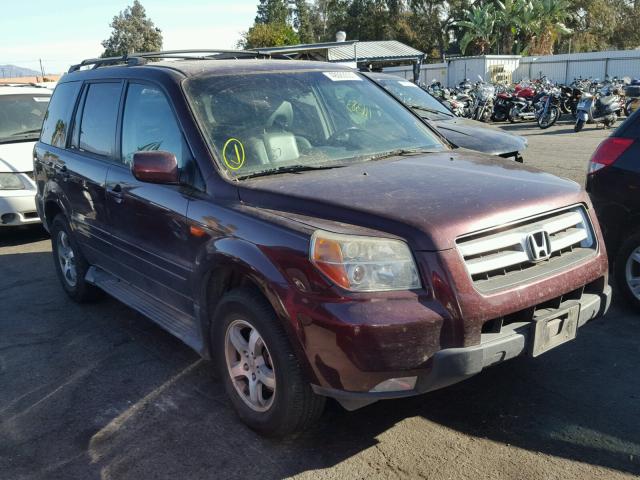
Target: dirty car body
{"x":461,"y":132}
{"x":394,"y":264}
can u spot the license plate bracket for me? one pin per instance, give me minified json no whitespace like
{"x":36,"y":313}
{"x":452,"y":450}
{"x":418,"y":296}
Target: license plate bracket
{"x":554,"y":329}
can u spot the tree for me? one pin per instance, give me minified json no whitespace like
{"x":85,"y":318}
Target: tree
{"x":479,"y":29}
{"x":132,"y":32}
{"x":548,"y":25}
{"x":268,"y":35}
{"x":303,"y":22}
{"x":272,"y":11}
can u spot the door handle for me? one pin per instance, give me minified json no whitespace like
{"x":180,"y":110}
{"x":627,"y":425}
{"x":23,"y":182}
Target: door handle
{"x":116,"y":193}
{"x":63,"y":171}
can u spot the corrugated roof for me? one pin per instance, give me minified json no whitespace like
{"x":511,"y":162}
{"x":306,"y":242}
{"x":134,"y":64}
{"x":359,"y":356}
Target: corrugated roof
{"x":375,"y":50}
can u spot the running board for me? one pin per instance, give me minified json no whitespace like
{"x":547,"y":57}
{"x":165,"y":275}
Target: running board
{"x":174,"y":321}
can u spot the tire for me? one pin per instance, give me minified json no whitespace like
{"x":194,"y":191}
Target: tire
{"x":71,"y":266}
{"x":625,"y":268}
{"x":578,"y":126}
{"x":291,"y":405}
{"x":554,"y":113}
{"x":499,"y":116}
{"x":511,"y":116}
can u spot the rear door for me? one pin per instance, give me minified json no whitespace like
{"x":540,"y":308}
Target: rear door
{"x":147,"y":220}
{"x":76,"y":146}
{"x":91,"y":151}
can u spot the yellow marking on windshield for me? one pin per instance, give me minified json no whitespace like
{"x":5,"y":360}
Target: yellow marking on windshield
{"x":234,"y":162}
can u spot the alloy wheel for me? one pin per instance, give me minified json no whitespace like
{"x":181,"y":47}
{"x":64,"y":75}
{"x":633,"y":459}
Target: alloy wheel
{"x":249,"y":365}
{"x":632,"y":272}
{"x":67,"y":259}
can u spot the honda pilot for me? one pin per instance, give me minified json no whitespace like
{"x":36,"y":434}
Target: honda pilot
{"x":296,"y":224}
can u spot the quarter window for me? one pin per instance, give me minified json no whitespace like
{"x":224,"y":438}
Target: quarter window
{"x":149,"y":124}
{"x":99,"y":117}
{"x":56,"y":120}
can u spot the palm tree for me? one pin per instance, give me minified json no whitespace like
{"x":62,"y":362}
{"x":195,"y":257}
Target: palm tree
{"x":508,"y":14}
{"x":479,"y":28}
{"x":548,"y":24}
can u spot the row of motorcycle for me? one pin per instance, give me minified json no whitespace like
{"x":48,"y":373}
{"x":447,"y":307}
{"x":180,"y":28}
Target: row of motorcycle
{"x":586,"y":99}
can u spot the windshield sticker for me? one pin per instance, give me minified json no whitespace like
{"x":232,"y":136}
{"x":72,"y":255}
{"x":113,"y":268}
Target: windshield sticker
{"x":406,"y":83}
{"x":354,"y":107}
{"x":342,"y":76}
{"x":233,"y":154}
{"x":41,"y":99}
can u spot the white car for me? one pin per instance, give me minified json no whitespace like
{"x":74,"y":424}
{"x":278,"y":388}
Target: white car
{"x":22,"y":110}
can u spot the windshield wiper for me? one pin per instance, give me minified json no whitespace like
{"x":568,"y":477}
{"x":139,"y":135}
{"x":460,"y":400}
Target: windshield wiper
{"x":430,"y":110}
{"x":288,"y":169}
{"x":401,"y":152}
{"x":26,"y":132}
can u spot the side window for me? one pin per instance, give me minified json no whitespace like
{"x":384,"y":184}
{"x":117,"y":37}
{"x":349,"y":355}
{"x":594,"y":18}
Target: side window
{"x":149,"y":124}
{"x":99,"y":118}
{"x":57,"y":118}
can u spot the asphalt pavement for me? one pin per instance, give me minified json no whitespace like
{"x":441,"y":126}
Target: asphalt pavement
{"x":97,"y":391}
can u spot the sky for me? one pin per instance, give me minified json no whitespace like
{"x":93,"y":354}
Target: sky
{"x":64,"y":32}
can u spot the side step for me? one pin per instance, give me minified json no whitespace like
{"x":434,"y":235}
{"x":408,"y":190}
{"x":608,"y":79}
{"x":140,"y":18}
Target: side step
{"x":174,"y":321}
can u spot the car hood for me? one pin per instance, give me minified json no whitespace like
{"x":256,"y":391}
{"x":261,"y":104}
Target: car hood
{"x":478,"y":136}
{"x":16,"y":157}
{"x":429,"y":200}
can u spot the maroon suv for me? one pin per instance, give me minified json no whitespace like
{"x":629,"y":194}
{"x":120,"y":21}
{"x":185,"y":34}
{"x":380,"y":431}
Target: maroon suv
{"x":298,"y":225}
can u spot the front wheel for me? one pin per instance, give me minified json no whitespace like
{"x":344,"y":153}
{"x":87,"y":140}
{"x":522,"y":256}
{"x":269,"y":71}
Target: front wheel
{"x":261,"y":373}
{"x":548,"y":120}
{"x":627,"y":270}
{"x":579,"y":125}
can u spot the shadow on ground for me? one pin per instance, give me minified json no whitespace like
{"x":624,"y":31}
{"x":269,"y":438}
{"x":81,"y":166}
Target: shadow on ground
{"x":97,"y":391}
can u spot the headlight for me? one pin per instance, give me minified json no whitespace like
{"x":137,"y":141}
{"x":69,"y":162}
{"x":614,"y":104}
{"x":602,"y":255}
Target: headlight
{"x":11,"y":181}
{"x":364,"y":264}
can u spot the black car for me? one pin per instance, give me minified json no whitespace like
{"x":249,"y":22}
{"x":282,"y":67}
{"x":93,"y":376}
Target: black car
{"x":613,"y":182}
{"x":461,"y":132}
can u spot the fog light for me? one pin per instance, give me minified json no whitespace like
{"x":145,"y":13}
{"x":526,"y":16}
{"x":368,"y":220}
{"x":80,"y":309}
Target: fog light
{"x":8,"y":218}
{"x":396,"y":385}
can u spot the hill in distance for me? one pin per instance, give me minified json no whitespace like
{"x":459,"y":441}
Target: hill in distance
{"x":9,"y":71}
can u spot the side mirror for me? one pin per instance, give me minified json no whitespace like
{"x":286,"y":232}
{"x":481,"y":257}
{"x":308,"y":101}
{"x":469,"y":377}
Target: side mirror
{"x":155,"y":167}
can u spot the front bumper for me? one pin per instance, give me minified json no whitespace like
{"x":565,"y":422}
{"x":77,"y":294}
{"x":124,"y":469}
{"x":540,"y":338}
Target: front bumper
{"x":18,"y":207}
{"x":452,"y":365}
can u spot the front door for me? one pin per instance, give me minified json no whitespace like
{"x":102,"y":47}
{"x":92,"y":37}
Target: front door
{"x":147,"y":220}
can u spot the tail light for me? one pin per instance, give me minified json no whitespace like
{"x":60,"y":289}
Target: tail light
{"x":608,"y":152}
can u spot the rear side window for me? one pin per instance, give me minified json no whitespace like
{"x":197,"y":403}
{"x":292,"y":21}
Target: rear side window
{"x":57,"y":118}
{"x":99,"y":118}
{"x":149,"y":124}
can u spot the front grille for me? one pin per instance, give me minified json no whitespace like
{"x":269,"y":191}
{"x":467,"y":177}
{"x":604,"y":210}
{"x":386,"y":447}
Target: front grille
{"x":502,"y":257}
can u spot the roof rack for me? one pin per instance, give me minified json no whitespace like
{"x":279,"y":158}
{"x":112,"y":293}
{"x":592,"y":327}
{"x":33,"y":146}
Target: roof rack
{"x":133,"y":59}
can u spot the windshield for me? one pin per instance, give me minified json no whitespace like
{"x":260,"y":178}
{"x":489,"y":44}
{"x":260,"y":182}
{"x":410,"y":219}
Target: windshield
{"x":21,"y":116}
{"x":270,"y":122}
{"x":414,"y":96}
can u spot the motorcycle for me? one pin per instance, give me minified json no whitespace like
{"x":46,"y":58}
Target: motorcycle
{"x":549,"y":109}
{"x":632,"y":93}
{"x":524,"y":105}
{"x":597,"y":108}
{"x":483,"y":104}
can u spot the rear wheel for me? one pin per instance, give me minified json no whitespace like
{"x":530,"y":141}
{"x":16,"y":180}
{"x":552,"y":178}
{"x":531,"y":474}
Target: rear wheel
{"x":627,"y":270}
{"x":70,"y":264}
{"x":578,"y":126}
{"x":260,"y":371}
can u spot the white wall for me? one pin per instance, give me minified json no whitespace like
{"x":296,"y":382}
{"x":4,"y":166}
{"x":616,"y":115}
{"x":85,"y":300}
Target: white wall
{"x":558,"y":68}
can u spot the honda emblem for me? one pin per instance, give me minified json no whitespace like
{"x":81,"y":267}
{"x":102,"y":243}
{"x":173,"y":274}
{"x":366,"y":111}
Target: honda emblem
{"x":539,"y":245}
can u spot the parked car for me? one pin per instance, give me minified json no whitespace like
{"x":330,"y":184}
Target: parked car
{"x":305,"y":230}
{"x":461,"y":132}
{"x":613,"y":182}
{"x":22,"y":109}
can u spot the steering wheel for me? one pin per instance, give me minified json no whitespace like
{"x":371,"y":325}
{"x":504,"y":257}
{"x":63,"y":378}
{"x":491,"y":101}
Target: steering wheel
{"x":347,"y":136}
